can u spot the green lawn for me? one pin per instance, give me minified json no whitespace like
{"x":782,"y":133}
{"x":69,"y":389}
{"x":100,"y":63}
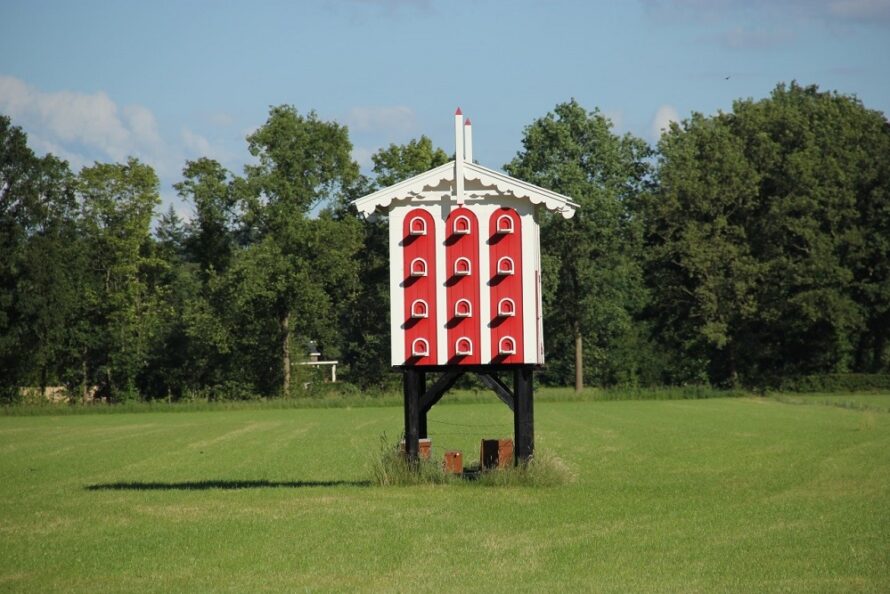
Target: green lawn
{"x":741,"y":494}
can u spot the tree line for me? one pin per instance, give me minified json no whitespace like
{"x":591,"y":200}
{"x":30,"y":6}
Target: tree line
{"x":746,"y":247}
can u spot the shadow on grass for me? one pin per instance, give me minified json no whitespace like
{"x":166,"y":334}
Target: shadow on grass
{"x":225,"y":485}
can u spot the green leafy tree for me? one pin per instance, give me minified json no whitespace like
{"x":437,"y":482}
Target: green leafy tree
{"x":307,"y":267}
{"x":705,"y":282}
{"x":173,"y":285}
{"x":171,"y":237}
{"x":765,"y":238}
{"x":117,"y":201}
{"x":17,"y":197}
{"x":592,"y":277}
{"x":37,"y":235}
{"x":870,"y":255}
{"x":400,"y":162}
{"x":46,"y":291}
{"x":213,"y":193}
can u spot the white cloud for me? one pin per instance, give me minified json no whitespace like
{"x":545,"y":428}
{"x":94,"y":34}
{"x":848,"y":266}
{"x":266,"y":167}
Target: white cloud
{"x":394,"y":5}
{"x":86,"y":127}
{"x":860,"y":10}
{"x":873,"y":12}
{"x":142,"y":124}
{"x":195,"y":144}
{"x":42,"y":146}
{"x":358,"y":11}
{"x":221,"y":119}
{"x":664,"y":115}
{"x":362,"y":156}
{"x":755,"y":38}
{"x":83,"y":126}
{"x":13,"y":95}
{"x":396,"y":119}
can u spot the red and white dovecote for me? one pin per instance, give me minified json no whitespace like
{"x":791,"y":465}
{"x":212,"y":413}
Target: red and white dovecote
{"x":465,"y":262}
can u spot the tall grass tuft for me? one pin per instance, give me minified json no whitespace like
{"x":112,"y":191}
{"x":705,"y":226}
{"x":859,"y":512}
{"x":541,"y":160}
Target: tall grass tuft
{"x":390,"y":468}
{"x":545,"y":469}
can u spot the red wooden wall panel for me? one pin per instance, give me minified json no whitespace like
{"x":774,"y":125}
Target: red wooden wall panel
{"x":506,"y":286}
{"x":462,"y":248}
{"x":416,"y":248}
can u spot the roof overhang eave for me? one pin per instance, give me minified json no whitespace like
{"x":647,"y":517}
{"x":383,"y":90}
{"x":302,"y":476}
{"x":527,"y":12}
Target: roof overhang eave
{"x":381,"y":200}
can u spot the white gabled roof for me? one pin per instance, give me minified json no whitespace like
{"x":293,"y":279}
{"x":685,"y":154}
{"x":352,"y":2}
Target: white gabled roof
{"x":412,"y":187}
{"x":479,"y":183}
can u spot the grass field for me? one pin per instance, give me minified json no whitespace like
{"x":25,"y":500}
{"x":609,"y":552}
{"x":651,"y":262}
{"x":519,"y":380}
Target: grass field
{"x":734,"y":494}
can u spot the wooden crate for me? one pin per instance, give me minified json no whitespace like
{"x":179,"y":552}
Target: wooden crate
{"x":424,"y":445}
{"x":453,"y":462}
{"x":496,"y":453}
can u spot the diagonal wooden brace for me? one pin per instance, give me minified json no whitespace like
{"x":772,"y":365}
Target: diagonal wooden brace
{"x":498,"y":387}
{"x":435,"y":392}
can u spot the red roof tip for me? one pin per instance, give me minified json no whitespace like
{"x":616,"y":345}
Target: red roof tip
{"x":458,"y":112}
{"x":467,"y":123}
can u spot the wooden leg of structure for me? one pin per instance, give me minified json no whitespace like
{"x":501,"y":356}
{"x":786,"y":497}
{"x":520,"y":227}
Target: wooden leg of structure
{"x":411,"y":385}
{"x":421,"y":390}
{"x":419,"y":400}
{"x":523,"y":414}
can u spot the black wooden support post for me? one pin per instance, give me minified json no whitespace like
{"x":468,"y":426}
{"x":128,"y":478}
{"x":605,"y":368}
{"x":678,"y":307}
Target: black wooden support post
{"x":421,"y":390}
{"x":523,"y":413}
{"x":411,"y":385}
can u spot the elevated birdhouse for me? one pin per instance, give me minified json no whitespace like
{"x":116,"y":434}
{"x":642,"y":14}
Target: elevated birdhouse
{"x":465,"y":264}
{"x":465,"y":284}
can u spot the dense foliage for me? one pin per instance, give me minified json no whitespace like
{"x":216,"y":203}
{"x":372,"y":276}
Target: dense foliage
{"x":749,"y":248}
{"x":593,"y":283}
{"x":767,"y":240}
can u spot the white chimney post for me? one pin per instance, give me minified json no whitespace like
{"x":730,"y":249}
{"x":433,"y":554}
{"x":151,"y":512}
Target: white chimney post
{"x":468,"y":141}
{"x":459,"y":156}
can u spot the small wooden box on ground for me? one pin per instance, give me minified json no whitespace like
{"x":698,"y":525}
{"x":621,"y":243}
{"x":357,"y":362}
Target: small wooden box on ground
{"x":496,"y":453}
{"x":423,"y":449}
{"x":453,"y":463}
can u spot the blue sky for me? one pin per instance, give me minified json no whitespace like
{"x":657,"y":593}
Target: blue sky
{"x":170,"y":81}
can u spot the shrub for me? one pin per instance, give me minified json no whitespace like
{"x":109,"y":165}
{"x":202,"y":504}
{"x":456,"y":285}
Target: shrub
{"x":836,"y":382}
